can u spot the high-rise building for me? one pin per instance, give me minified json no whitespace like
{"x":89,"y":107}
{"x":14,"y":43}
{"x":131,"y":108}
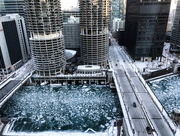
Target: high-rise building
{"x":68,"y":13}
{"x":145,"y":27}
{"x":71,"y":32}
{"x":14,"y":47}
{"x":175,"y":38}
{"x":118,"y":24}
{"x":118,"y":9}
{"x":94,"y":22}
{"x":12,"y":7}
{"x":47,"y":41}
{"x":171,"y":18}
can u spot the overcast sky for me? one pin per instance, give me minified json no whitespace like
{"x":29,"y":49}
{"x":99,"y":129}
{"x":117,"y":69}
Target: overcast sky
{"x":65,"y":4}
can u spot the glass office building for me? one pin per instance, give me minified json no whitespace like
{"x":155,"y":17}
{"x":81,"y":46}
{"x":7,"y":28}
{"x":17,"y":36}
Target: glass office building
{"x":12,"y":6}
{"x":145,"y":28}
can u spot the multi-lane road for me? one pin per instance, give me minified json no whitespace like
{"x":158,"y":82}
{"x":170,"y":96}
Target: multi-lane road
{"x":142,"y":111}
{"x":18,"y":78}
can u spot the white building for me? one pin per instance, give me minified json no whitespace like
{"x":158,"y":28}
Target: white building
{"x":14,"y":46}
{"x":118,"y":24}
{"x":88,"y":69}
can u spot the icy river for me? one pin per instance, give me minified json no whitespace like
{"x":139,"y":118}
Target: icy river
{"x":65,"y":108}
{"x":167,"y":90}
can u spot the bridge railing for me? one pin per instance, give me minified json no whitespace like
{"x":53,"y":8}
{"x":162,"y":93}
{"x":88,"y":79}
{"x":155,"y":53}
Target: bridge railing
{"x":13,"y":90}
{"x":155,"y":100}
{"x":127,"y":120}
{"x":140,"y":102}
{"x":123,"y":105}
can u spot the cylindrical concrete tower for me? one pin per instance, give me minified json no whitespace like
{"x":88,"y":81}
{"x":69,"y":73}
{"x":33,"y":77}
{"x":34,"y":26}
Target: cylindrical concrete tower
{"x":94,"y":22}
{"x":45,"y":24}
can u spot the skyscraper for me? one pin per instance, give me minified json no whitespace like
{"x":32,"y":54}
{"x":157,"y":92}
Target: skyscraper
{"x":71,"y":32}
{"x":68,"y":13}
{"x":145,"y":27}
{"x":118,"y":9}
{"x":47,"y":41}
{"x":11,"y":7}
{"x":94,"y":22}
{"x":175,"y":38}
{"x":14,"y":46}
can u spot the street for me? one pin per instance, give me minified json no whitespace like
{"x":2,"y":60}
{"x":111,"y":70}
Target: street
{"x":145,"y":114}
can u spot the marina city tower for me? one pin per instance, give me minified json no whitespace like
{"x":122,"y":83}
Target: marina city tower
{"x":47,"y":42}
{"x":94,"y":22}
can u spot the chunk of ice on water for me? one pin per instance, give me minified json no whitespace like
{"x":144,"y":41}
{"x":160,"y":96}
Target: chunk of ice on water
{"x":24,"y":122}
{"x":114,"y":109}
{"x":63,"y":107}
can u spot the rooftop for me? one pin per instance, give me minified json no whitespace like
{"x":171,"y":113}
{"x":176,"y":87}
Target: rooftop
{"x":89,"y":67}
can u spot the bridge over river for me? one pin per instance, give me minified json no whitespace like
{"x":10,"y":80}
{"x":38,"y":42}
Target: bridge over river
{"x":141,"y":113}
{"x":15,"y":81}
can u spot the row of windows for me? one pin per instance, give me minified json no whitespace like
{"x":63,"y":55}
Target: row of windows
{"x":151,"y":38}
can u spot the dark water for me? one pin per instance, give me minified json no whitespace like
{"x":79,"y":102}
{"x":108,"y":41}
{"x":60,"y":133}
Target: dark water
{"x":45,"y":108}
{"x":167,"y":90}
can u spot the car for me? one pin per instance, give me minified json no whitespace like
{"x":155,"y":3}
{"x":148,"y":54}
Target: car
{"x":116,"y":64}
{"x":134,"y":104}
{"x":149,"y":130}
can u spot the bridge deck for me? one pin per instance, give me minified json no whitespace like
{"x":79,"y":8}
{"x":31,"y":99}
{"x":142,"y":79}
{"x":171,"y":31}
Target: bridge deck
{"x":132,"y":90}
{"x":7,"y":88}
{"x":19,"y":77}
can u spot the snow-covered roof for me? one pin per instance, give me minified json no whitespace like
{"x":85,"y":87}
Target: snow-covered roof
{"x":88,"y":68}
{"x":70,"y":54}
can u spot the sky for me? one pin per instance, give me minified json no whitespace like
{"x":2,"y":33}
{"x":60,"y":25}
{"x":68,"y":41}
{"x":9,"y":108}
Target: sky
{"x":65,"y":4}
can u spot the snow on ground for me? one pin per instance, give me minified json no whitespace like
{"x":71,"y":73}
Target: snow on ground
{"x":157,"y":64}
{"x":140,"y":65}
{"x":146,"y":67}
{"x":178,"y":131}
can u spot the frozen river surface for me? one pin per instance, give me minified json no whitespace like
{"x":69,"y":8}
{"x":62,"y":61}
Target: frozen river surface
{"x":66,"y":108}
{"x":167,"y":90}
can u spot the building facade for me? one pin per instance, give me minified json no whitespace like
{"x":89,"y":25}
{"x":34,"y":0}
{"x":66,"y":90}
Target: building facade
{"x":14,"y":47}
{"x":94,"y":23}
{"x":68,"y":13}
{"x":12,"y":7}
{"x":145,"y":28}
{"x":47,"y":41}
{"x":71,"y":32}
{"x":118,"y":24}
{"x":175,"y":37}
{"x":117,"y":9}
